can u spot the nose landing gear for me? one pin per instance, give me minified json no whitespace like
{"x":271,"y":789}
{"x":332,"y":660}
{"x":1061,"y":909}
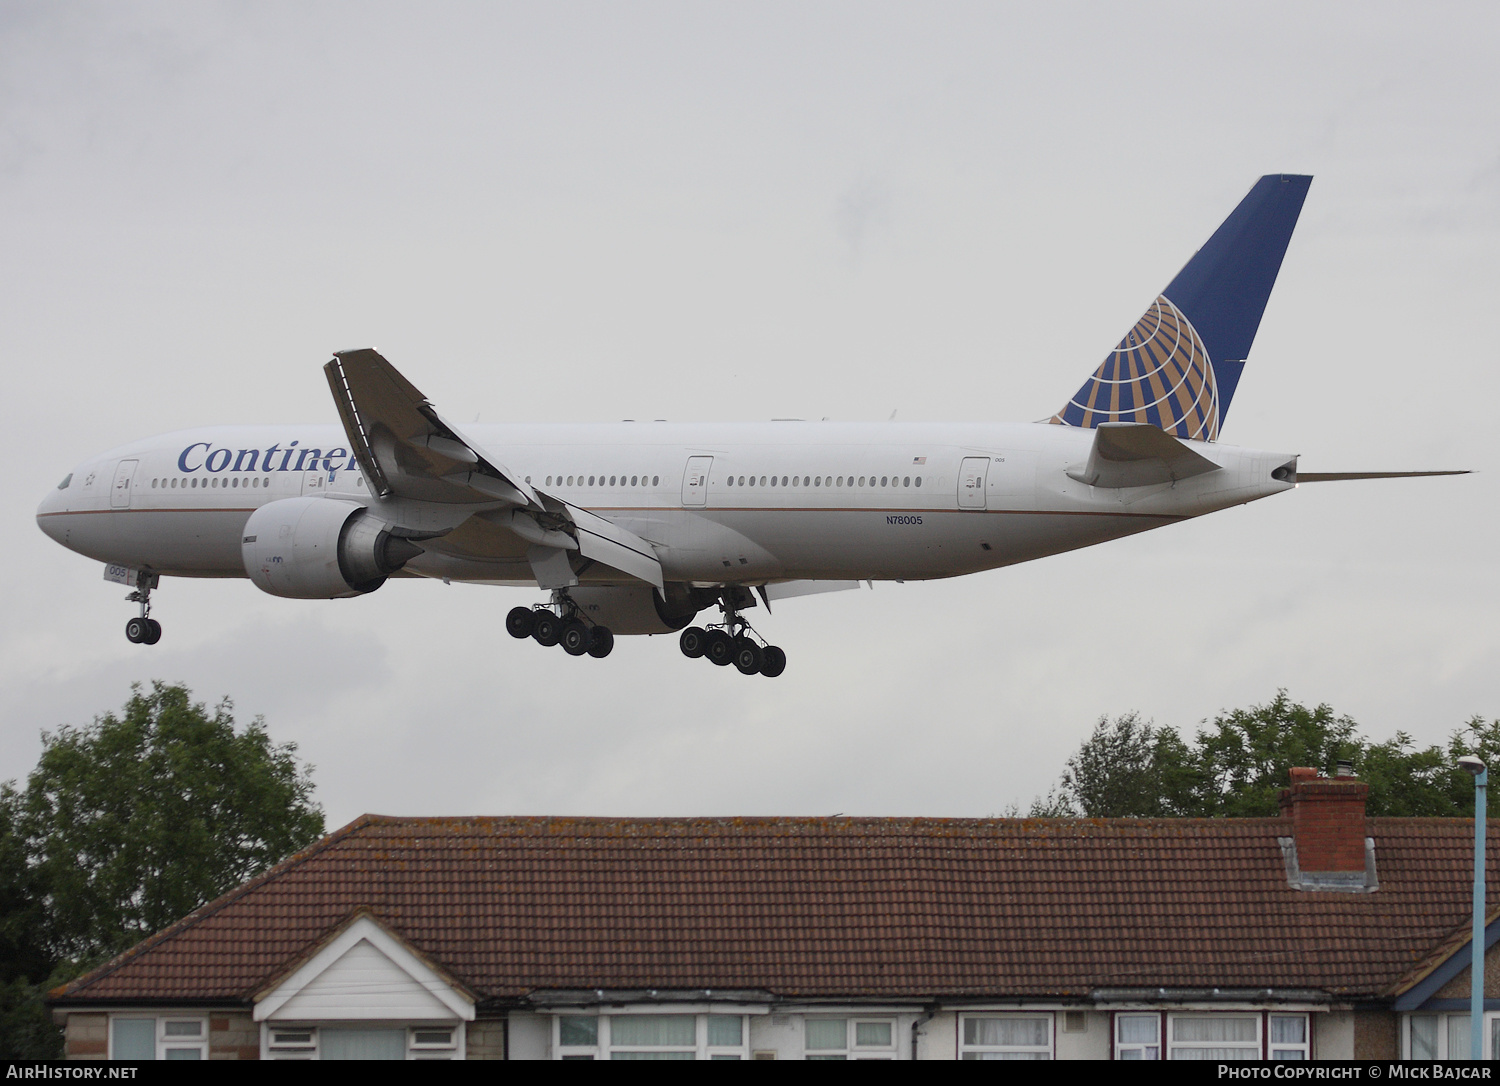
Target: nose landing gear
{"x":143,"y":629}
{"x":733,"y":642}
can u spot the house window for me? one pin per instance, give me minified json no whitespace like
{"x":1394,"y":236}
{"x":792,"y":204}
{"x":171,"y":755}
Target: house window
{"x":850,"y":1039}
{"x":1213,"y":1037}
{"x":1289,"y":1037}
{"x":167,"y":1038}
{"x":377,"y":1041}
{"x":1446,"y":1036}
{"x":1005,"y":1037}
{"x":650,"y":1037}
{"x":1137,"y":1036}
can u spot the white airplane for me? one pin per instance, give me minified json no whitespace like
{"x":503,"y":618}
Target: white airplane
{"x":637,"y":527}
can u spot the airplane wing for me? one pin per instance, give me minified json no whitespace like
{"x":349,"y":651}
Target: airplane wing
{"x":1138,"y":454}
{"x":404,"y":447}
{"x":407,"y":450}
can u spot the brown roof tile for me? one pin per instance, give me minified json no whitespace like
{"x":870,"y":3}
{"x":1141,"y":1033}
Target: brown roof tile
{"x":826,"y":907}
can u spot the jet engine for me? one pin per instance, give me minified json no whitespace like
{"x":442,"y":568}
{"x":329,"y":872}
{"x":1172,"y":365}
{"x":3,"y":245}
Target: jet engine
{"x":320,"y":549}
{"x":638,"y":610}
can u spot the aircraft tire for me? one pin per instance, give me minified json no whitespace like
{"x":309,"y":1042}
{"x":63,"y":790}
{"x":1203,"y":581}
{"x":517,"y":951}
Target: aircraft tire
{"x":547,"y":629}
{"x":135,"y":631}
{"x":720,"y":650}
{"x":775,"y":662}
{"x":575,"y":637}
{"x":747,"y":656}
{"x":153,"y":632}
{"x":603,"y":643}
{"x":693,"y":642}
{"x":519,"y":621}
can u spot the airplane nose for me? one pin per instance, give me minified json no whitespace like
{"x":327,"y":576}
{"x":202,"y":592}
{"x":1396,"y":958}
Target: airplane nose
{"x":51,"y":504}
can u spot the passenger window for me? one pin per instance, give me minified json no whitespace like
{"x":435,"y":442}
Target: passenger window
{"x":655,"y":480}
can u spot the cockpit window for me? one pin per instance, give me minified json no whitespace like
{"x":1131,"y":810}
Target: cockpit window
{"x":68,"y":478}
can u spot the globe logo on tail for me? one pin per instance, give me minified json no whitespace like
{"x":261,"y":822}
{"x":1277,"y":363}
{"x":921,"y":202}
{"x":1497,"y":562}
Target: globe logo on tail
{"x":1160,"y":373}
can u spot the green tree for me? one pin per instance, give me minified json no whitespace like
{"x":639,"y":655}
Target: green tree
{"x":136,"y":820}
{"x":125,"y":826}
{"x":1127,"y":769}
{"x":1245,"y":756}
{"x":1237,"y":765}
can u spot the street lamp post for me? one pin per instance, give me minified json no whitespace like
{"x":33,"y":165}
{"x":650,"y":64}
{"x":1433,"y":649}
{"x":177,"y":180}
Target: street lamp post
{"x":1481,"y":774}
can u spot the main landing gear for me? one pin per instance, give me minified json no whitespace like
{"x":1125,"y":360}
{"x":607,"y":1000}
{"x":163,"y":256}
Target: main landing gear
{"x":143,"y":629}
{"x":732,"y":642}
{"x":563,"y":624}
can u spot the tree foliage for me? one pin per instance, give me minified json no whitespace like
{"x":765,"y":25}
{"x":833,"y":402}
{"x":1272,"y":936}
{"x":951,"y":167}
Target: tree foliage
{"x":1237,"y":764}
{"x":127,"y":825}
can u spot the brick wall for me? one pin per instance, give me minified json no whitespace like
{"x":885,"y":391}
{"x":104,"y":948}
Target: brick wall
{"x":233,"y":1037}
{"x":86,"y":1037}
{"x":485,"y":1039}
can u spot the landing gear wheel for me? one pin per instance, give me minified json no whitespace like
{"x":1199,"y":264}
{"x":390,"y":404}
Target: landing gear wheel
{"x":575,"y":637}
{"x":153,"y":632}
{"x":604,"y":641}
{"x":519,"y":621}
{"x":720,"y":648}
{"x":546,"y":628}
{"x":693,"y":642}
{"x":774,"y":662}
{"x":136,"y":631}
{"x":747,"y":656}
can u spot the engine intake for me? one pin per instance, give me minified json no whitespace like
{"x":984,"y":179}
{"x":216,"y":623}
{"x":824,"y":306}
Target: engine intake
{"x":320,"y":549}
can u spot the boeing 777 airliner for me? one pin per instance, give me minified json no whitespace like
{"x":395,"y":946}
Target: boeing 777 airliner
{"x":636,"y":528}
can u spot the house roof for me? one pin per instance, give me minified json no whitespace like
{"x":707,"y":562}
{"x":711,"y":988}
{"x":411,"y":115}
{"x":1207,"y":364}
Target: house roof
{"x":826,"y":907}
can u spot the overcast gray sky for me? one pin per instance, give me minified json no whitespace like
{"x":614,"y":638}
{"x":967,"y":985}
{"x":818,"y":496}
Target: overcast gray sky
{"x":740,"y":211}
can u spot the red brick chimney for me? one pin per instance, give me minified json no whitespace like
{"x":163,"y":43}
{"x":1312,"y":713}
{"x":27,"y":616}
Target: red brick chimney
{"x":1328,"y":819}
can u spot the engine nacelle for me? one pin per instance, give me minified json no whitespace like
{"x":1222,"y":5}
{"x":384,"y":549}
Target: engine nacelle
{"x":320,"y":549}
{"x":638,"y":610}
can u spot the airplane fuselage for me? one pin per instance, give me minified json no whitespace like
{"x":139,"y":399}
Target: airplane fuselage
{"x":721,"y":504}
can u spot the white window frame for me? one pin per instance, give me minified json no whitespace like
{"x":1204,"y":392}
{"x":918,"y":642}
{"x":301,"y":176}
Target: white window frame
{"x":604,"y":1047}
{"x":164,"y":1043}
{"x":1491,"y":1021}
{"x":1252,"y":1050}
{"x":312,"y":1049}
{"x":1272,"y":1046}
{"x":852,"y":1049}
{"x":1047,"y":1051}
{"x":1149,"y":1050}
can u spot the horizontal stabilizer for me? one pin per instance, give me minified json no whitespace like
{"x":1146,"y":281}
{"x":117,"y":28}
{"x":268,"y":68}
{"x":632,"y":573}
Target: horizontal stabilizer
{"x":1344,"y":476}
{"x":1138,"y":454}
{"x":404,"y":447}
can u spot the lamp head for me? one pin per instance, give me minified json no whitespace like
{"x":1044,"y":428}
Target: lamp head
{"x":1470,"y":764}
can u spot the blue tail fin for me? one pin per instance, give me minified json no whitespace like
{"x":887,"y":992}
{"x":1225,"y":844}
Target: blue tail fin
{"x":1179,"y":366}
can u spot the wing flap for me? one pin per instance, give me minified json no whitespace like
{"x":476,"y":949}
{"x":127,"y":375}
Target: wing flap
{"x":1128,"y":454}
{"x":605,"y":541}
